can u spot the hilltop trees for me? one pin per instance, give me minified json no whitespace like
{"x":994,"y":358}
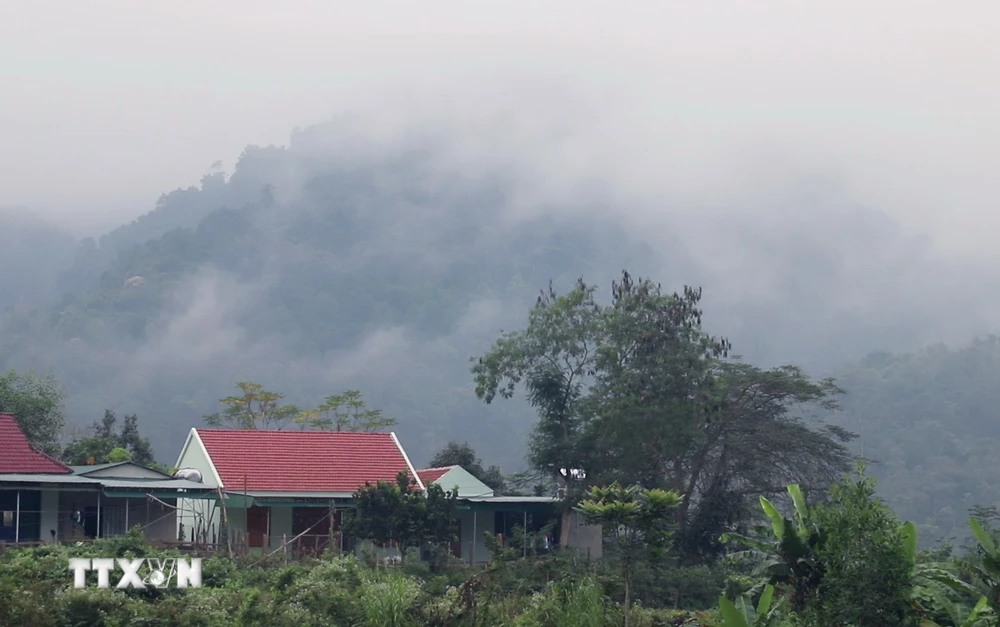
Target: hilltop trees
{"x":258,"y":408}
{"x":101,"y":443}
{"x":635,"y":391}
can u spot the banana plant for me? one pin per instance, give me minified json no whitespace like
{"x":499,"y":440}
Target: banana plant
{"x":789,"y":557}
{"x":744,"y":614}
{"x":934,"y":588}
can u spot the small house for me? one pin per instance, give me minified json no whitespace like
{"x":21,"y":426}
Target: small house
{"x":283,"y":488}
{"x":44,"y":500}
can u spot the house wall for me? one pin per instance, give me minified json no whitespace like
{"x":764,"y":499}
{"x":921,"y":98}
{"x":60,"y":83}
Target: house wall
{"x":474,"y":526}
{"x":198,"y":515}
{"x":587,"y":539}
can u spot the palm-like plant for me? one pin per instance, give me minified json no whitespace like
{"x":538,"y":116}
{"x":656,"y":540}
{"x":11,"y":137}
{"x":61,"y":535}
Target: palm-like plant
{"x":788,"y":552}
{"x":742,"y":613}
{"x":935,"y":586}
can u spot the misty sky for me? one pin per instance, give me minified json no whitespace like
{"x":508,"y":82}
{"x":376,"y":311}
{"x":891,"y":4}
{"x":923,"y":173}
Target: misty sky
{"x":106,"y":104}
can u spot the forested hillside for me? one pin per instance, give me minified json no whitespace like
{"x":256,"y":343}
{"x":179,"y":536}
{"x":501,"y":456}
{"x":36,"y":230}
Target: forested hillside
{"x":337,"y":263}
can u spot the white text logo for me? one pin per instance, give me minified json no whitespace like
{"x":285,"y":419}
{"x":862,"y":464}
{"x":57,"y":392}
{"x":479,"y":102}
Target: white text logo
{"x":139,"y":573}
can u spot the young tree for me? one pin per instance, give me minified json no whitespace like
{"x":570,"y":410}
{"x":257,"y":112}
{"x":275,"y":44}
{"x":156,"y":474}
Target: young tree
{"x":101,"y":443}
{"x":636,"y":520}
{"x":37,"y":404}
{"x":455,"y":454}
{"x":254,"y":408}
{"x":348,"y":412}
{"x":390,"y":512}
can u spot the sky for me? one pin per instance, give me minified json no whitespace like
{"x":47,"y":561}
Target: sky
{"x":109,"y":103}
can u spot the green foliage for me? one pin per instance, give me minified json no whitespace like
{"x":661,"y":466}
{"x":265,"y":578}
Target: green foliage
{"x":254,"y":408}
{"x":744,"y":614}
{"x":637,"y":520}
{"x":636,"y":392}
{"x":102,"y":444}
{"x":37,"y":404}
{"x":397,"y":513}
{"x":865,"y":556}
{"x":787,"y":552}
{"x":346,"y":412}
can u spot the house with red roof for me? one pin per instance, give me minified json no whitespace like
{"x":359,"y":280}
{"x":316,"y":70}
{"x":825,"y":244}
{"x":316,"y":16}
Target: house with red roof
{"x":44,"y":500}
{"x":280,"y":486}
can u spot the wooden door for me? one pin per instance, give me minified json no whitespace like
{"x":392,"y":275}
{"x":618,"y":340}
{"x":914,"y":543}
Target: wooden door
{"x":257,"y":522}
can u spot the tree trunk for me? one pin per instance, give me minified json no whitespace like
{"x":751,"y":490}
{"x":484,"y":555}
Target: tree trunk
{"x":628,"y":600}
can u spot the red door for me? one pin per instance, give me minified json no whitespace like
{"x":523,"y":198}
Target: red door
{"x":257,"y":518}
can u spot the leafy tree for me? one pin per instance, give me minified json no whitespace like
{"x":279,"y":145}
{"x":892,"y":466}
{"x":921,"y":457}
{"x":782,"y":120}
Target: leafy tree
{"x":455,"y":454}
{"x":394,"y":512}
{"x":347,"y":412}
{"x":255,"y":408}
{"x":636,"y":392}
{"x":37,"y":404}
{"x":864,"y":557}
{"x":835,"y":554}
{"x":101,"y":443}
{"x":637,"y":520}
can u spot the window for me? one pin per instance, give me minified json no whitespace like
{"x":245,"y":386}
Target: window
{"x":8,"y":518}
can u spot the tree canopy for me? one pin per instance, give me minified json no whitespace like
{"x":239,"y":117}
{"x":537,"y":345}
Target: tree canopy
{"x":101,"y":443}
{"x":36,"y":401}
{"x":635,"y":391}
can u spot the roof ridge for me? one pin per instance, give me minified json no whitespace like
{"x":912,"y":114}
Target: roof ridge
{"x":448,"y":467}
{"x":293,"y":431}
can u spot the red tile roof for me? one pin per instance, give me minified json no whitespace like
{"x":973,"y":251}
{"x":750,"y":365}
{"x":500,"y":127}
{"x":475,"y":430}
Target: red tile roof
{"x":430,"y":475}
{"x":18,"y":456}
{"x":302,"y":461}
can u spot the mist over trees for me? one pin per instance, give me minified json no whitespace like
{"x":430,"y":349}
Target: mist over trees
{"x":338,"y":263}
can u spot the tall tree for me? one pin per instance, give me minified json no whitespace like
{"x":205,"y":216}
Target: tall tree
{"x":636,"y":392}
{"x":455,"y":454}
{"x":36,"y":402}
{"x":102,"y":443}
{"x":254,"y":408}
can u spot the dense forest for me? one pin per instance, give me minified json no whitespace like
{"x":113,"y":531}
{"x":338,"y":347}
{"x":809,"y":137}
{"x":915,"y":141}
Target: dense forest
{"x":334,"y":263}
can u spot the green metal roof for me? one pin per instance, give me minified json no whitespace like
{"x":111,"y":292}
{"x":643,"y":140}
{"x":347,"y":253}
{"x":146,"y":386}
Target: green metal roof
{"x":116,"y":488}
{"x":508,"y":503}
{"x":80,"y":470}
{"x":89,"y":468}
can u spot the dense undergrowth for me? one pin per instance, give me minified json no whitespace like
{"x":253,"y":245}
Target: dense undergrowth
{"x":36,"y":590}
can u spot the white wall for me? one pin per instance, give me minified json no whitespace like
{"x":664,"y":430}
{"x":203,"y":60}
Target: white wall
{"x":199,"y":512}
